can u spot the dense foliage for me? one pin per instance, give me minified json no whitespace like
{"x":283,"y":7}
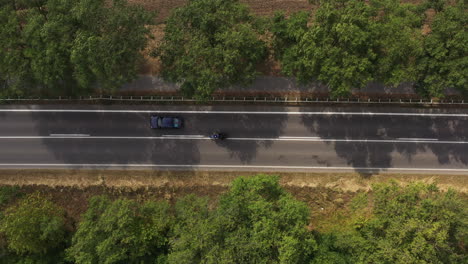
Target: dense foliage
{"x":210,"y":44}
{"x":122,"y":231}
{"x":255,"y":221}
{"x":34,"y":230}
{"x":445,"y":59}
{"x":69,"y":46}
{"x":350,"y":43}
{"x":415,"y":224}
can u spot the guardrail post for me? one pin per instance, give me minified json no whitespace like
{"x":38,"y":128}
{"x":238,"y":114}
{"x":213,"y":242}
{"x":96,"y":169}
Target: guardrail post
{"x":151,"y":98}
{"x":60,"y":97}
{"x":296,"y":99}
{"x":244,"y":98}
{"x":431,"y":101}
{"x":255,"y":99}
{"x":265,"y":99}
{"x":110,"y":97}
{"x":131,"y":97}
{"x":141,"y":98}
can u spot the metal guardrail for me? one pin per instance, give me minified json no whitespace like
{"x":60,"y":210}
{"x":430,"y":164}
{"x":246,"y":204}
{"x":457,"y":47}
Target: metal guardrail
{"x":243,"y":99}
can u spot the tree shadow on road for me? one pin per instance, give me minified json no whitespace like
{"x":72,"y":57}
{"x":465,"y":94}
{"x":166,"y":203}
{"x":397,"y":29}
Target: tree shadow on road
{"x":242,"y":126}
{"x":363,"y":156}
{"x":111,"y":151}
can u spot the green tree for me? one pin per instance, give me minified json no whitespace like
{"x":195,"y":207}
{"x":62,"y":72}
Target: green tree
{"x":194,"y":232}
{"x":34,"y":226}
{"x":108,"y":44}
{"x":444,"y":61}
{"x":400,"y":41}
{"x":350,"y":43}
{"x":338,"y":49}
{"x":210,"y":44}
{"x":413,"y":224}
{"x":256,"y":222}
{"x":122,"y":231}
{"x":66,"y":47}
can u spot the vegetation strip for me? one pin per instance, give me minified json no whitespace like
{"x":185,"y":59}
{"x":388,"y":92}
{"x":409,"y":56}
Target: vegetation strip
{"x":253,"y":219}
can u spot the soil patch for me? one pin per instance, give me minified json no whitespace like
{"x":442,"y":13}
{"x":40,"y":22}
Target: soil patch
{"x":324,"y":193}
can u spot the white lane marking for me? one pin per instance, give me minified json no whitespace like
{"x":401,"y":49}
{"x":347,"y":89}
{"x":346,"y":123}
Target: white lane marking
{"x":417,"y":139}
{"x":287,"y":137}
{"x":225,"y":166}
{"x":184,"y":136}
{"x":232,"y":112}
{"x":70,"y":135}
{"x":244,"y":139}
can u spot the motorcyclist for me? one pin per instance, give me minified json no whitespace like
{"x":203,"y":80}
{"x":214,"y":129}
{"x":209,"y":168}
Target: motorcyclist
{"x":217,"y":135}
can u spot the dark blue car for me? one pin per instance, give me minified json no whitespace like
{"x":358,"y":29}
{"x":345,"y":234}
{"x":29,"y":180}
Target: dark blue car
{"x":159,"y":121}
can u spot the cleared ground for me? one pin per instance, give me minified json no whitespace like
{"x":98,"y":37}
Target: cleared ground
{"x":325,"y":193}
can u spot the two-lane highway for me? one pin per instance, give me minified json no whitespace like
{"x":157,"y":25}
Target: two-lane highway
{"x":259,"y":139}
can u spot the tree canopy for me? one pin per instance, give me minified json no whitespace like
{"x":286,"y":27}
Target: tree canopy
{"x":122,"y":231}
{"x":413,"y":224}
{"x":350,"y":43}
{"x":256,"y":222}
{"x":69,"y":47}
{"x":210,"y":44}
{"x":444,"y":61}
{"x":34,"y":226}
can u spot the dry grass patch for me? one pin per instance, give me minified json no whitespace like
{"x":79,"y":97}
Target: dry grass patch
{"x":325,"y":193}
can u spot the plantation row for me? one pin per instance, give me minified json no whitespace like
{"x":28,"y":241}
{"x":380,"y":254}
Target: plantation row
{"x":75,"y":46}
{"x":255,"y":221}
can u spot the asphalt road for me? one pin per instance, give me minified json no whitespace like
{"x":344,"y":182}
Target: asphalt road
{"x":260,"y":138}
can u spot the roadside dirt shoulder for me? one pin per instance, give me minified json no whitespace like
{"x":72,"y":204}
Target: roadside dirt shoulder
{"x":324,"y":193}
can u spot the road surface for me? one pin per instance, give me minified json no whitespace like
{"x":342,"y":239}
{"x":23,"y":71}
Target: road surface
{"x":271,"y":139}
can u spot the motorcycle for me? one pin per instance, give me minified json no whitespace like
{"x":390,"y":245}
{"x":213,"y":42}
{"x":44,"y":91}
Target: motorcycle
{"x":218,"y":135}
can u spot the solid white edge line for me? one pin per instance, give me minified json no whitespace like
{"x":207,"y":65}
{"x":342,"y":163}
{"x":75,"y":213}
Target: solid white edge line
{"x":69,"y":135}
{"x":244,"y":139}
{"x":225,"y":166}
{"x":183,"y":136}
{"x":417,"y":139}
{"x":287,"y":137}
{"x":231,"y":112}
